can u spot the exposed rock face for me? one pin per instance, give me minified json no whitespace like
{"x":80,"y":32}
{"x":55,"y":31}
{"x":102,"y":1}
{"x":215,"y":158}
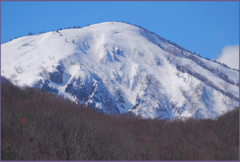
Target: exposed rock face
{"x":57,"y":76}
{"x":89,"y":89}
{"x":46,"y":85}
{"x":151,"y":95}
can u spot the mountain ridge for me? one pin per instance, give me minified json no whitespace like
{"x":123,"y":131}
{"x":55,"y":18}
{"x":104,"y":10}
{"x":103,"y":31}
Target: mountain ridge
{"x":152,"y":33}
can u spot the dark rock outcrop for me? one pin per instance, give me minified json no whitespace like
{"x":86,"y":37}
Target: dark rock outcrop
{"x":57,"y":76}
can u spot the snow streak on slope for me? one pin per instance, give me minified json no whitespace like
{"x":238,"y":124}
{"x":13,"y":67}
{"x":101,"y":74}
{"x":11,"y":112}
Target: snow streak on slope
{"x":117,"y":68}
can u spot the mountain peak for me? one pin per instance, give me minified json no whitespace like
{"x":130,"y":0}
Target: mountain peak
{"x":116,"y":67}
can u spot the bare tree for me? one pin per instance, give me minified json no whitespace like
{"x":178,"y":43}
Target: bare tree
{"x":18,"y":69}
{"x":81,"y":66}
{"x":177,"y":74}
{"x":199,"y":91}
{"x":51,"y":57}
{"x":13,"y":77}
{"x":41,"y":67}
{"x":191,"y":83}
{"x":224,"y":85}
{"x":72,"y":62}
{"x":43,"y":72}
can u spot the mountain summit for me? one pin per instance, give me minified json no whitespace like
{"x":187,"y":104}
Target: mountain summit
{"x":118,"y":68}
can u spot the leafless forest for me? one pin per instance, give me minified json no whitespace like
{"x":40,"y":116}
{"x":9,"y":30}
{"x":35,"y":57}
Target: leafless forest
{"x":57,"y":129}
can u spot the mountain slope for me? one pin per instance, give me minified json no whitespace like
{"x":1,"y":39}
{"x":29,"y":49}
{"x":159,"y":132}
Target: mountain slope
{"x":117,"y":68}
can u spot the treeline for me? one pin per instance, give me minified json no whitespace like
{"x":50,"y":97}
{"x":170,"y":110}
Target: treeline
{"x":204,"y":79}
{"x":74,"y":27}
{"x":197,"y":60}
{"x":57,"y":129}
{"x":179,"y":47}
{"x":215,"y":71}
{"x":41,"y":32}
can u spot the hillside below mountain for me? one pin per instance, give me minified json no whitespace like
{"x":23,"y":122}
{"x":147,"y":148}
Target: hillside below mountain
{"x":57,"y":129}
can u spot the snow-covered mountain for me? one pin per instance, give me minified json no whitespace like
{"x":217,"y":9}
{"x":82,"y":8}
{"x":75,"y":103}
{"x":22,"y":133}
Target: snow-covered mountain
{"x":117,"y":68}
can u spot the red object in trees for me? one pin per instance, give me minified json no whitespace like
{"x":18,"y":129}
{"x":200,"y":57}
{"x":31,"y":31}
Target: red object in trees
{"x":24,"y":121}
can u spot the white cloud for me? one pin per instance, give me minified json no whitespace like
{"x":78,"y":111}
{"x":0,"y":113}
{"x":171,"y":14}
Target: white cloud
{"x":230,"y":56}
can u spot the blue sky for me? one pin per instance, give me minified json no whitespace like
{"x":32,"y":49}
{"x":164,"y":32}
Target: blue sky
{"x":202,"y":27}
